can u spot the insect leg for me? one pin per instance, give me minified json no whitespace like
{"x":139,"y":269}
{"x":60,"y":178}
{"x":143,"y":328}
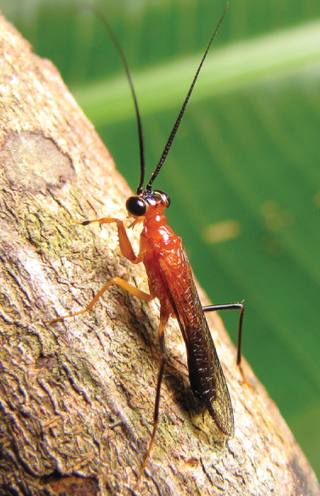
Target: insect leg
{"x":231,"y":306}
{"x":119,"y":282}
{"x":124,"y":242}
{"x":163,"y":322}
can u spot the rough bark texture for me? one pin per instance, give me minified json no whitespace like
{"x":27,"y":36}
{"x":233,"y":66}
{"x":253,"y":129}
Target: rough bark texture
{"x":76,"y":398}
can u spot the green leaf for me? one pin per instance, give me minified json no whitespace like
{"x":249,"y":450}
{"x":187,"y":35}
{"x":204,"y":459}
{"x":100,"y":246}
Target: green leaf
{"x":230,"y":68}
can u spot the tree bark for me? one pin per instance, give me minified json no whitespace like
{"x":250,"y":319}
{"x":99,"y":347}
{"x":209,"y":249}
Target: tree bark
{"x":77,"y":397}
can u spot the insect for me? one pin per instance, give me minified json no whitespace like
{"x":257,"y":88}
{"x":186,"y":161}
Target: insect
{"x":171,"y":281}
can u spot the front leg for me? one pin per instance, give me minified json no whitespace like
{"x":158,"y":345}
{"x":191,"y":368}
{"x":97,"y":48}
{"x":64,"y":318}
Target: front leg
{"x":127,"y":251}
{"x":124,"y":242}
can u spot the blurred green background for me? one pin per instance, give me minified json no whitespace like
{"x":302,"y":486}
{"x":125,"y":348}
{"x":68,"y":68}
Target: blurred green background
{"x":244,"y":171}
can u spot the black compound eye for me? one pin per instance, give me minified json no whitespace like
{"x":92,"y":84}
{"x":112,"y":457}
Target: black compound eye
{"x":136,"y":206}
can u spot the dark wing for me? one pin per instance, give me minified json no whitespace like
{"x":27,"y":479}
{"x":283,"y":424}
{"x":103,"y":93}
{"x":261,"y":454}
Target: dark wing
{"x":205,"y":371}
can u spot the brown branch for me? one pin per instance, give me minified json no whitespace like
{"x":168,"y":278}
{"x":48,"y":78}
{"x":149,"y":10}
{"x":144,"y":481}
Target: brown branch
{"x":76,"y":398}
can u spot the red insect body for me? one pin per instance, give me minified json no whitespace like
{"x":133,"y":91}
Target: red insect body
{"x":171,"y":281}
{"x":158,"y":239}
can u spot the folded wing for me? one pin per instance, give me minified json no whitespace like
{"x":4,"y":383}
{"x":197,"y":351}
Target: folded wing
{"x":206,"y":375}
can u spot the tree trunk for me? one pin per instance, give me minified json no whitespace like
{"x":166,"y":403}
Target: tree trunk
{"x":77,"y":397}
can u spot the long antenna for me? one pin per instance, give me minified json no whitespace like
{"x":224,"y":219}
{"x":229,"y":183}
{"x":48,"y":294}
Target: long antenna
{"x":177,"y":123}
{"x":125,"y":64}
